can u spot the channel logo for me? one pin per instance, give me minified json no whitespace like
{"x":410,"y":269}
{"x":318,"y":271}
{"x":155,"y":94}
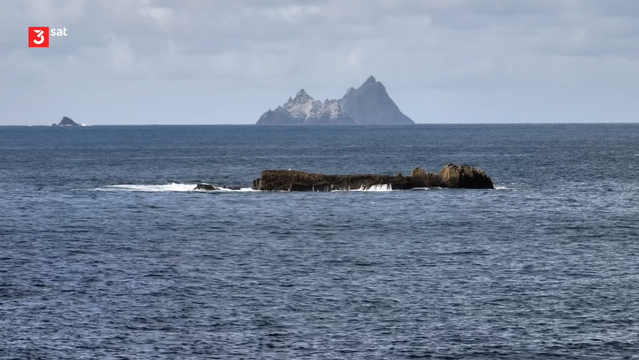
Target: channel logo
{"x":39,"y":36}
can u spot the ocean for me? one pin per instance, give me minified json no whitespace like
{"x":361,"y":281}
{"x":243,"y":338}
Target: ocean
{"x":106,"y":253}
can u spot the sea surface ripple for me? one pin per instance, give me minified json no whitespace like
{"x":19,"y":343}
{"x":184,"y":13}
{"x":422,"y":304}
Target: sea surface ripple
{"x":106,"y":254}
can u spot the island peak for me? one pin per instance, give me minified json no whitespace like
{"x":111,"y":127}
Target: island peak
{"x":66,"y":122}
{"x":304,"y":110}
{"x":369,"y":104}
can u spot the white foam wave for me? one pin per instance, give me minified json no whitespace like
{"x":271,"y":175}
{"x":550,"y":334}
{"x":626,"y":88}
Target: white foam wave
{"x":173,"y":187}
{"x":227,"y":189}
{"x":385,"y":187}
{"x":150,"y":188}
{"x":381,"y":187}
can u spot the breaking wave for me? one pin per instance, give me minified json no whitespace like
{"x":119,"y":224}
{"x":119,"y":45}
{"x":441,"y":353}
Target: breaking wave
{"x":173,"y":187}
{"x":381,"y":187}
{"x":176,"y":187}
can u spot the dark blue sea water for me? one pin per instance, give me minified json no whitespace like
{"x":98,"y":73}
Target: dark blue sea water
{"x":104,"y":254}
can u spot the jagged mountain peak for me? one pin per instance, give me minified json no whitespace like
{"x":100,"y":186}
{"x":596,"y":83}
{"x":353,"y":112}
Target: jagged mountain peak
{"x":302,"y":94}
{"x":67,"y":122}
{"x":368,"y":104}
{"x":372,"y":84}
{"x":303,"y":109}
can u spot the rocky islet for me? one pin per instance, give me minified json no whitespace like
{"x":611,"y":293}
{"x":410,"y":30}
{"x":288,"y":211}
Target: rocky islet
{"x":369,"y":104}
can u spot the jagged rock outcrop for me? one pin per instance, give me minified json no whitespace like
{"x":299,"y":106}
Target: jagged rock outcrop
{"x":421,"y":178}
{"x":304,"y":110}
{"x":451,"y":176}
{"x":418,"y":172}
{"x":67,"y":122}
{"x":370,"y":104}
{"x":464,"y":176}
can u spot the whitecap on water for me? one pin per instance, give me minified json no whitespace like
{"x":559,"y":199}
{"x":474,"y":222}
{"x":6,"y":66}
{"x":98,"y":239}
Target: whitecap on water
{"x":223,"y":189}
{"x":381,"y":187}
{"x":173,"y":187}
{"x":150,"y":188}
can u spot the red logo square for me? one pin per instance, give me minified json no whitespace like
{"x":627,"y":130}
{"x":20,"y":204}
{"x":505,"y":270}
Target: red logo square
{"x":39,"y":37}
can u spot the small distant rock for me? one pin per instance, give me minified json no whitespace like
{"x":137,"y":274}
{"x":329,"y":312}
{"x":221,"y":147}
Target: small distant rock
{"x":67,"y":122}
{"x":206,"y":187}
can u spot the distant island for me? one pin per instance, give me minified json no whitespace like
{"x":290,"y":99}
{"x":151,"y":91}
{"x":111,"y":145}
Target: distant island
{"x":304,"y":110}
{"x":66,"y":122}
{"x":369,"y":104}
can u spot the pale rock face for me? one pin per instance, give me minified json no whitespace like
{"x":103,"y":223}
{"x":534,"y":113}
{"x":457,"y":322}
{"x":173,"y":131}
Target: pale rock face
{"x":369,"y":104}
{"x":304,"y":110}
{"x":333,"y":108}
{"x":304,"y":106}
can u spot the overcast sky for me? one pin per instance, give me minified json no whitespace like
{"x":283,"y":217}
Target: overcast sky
{"x":226,"y":62}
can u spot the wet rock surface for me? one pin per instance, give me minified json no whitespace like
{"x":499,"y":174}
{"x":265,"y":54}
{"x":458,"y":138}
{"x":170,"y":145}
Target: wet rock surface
{"x":451,"y":176}
{"x":206,"y":187}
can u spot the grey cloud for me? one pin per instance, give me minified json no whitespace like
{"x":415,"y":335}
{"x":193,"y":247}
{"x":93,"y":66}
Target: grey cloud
{"x":328,"y":44}
{"x":264,"y":30}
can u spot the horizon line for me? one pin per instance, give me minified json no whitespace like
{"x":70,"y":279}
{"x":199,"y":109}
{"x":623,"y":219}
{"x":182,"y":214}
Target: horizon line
{"x":349,"y":125}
